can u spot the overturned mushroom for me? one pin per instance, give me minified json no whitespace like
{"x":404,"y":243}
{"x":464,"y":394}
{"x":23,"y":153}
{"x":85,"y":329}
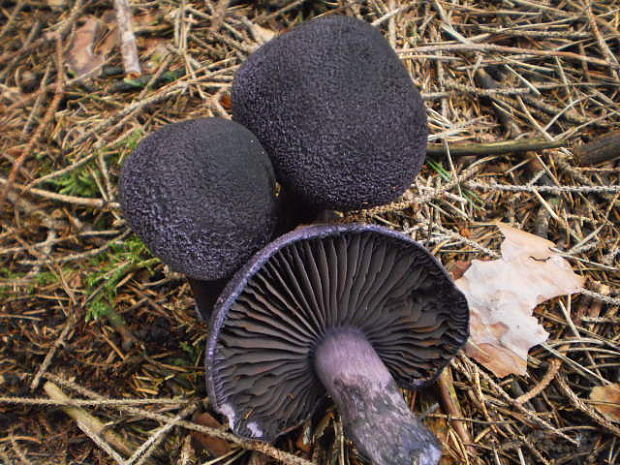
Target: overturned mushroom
{"x":201,"y":194}
{"x":351,"y":309}
{"x":337,"y":113}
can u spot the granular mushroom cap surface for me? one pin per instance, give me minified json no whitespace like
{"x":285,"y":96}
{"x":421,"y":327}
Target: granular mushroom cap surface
{"x":314,"y":280}
{"x":201,"y":195}
{"x":337,"y":112}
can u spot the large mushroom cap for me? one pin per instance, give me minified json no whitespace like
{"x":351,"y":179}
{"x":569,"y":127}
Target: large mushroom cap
{"x":308,"y":283}
{"x":201,"y":194}
{"x":337,"y":111}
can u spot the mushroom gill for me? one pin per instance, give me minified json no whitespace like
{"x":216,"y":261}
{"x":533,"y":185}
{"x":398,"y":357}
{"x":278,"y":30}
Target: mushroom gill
{"x":305,"y":286}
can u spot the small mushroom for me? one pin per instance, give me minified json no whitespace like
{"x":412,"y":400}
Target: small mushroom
{"x":354,"y":310}
{"x":337,"y":112}
{"x":201,"y":195}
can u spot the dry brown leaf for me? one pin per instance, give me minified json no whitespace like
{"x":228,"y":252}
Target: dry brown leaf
{"x":609,"y":394}
{"x":203,"y":442}
{"x":81,"y":56}
{"x":262,"y":34}
{"x":459,"y":267}
{"x":109,"y":34}
{"x":502,"y":295}
{"x":91,"y":43}
{"x":55,"y":3}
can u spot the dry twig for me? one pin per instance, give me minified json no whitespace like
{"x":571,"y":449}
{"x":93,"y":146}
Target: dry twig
{"x":129,"y":49}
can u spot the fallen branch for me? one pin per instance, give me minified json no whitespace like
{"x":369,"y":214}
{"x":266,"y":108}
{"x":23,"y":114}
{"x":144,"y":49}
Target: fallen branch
{"x":129,"y":49}
{"x":92,"y":426}
{"x":475,"y":47}
{"x":93,"y":402}
{"x":556,"y":189}
{"x":494,"y":148}
{"x":247,"y":444}
{"x":598,"y":150}
{"x":71,"y":199}
{"x":450,"y":403}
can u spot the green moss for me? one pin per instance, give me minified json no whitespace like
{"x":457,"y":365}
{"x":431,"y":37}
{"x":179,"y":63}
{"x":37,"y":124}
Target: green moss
{"x":98,"y":308}
{"x":45,"y":277}
{"x":131,"y":141}
{"x":121,"y":259}
{"x":79,"y":182}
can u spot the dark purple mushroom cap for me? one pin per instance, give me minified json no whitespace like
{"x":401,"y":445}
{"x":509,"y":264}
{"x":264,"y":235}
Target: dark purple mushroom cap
{"x":308,"y":283}
{"x":337,"y":113}
{"x":201,"y":195}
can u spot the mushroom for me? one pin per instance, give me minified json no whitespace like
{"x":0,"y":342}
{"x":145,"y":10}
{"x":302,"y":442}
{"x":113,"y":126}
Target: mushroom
{"x":201,"y":195}
{"x":337,"y":113}
{"x":356,"y":310}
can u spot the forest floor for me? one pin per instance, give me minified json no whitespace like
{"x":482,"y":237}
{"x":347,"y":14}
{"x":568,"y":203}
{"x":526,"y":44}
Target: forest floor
{"x":87,"y":312}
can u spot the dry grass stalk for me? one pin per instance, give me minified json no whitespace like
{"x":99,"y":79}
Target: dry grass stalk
{"x":47,"y":118}
{"x":47,"y":38}
{"x":515,"y":72}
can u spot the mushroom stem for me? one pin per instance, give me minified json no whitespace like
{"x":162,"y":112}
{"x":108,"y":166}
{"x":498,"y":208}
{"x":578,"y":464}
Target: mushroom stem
{"x":372,"y":408}
{"x":293,"y":212}
{"x":206,"y":294}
